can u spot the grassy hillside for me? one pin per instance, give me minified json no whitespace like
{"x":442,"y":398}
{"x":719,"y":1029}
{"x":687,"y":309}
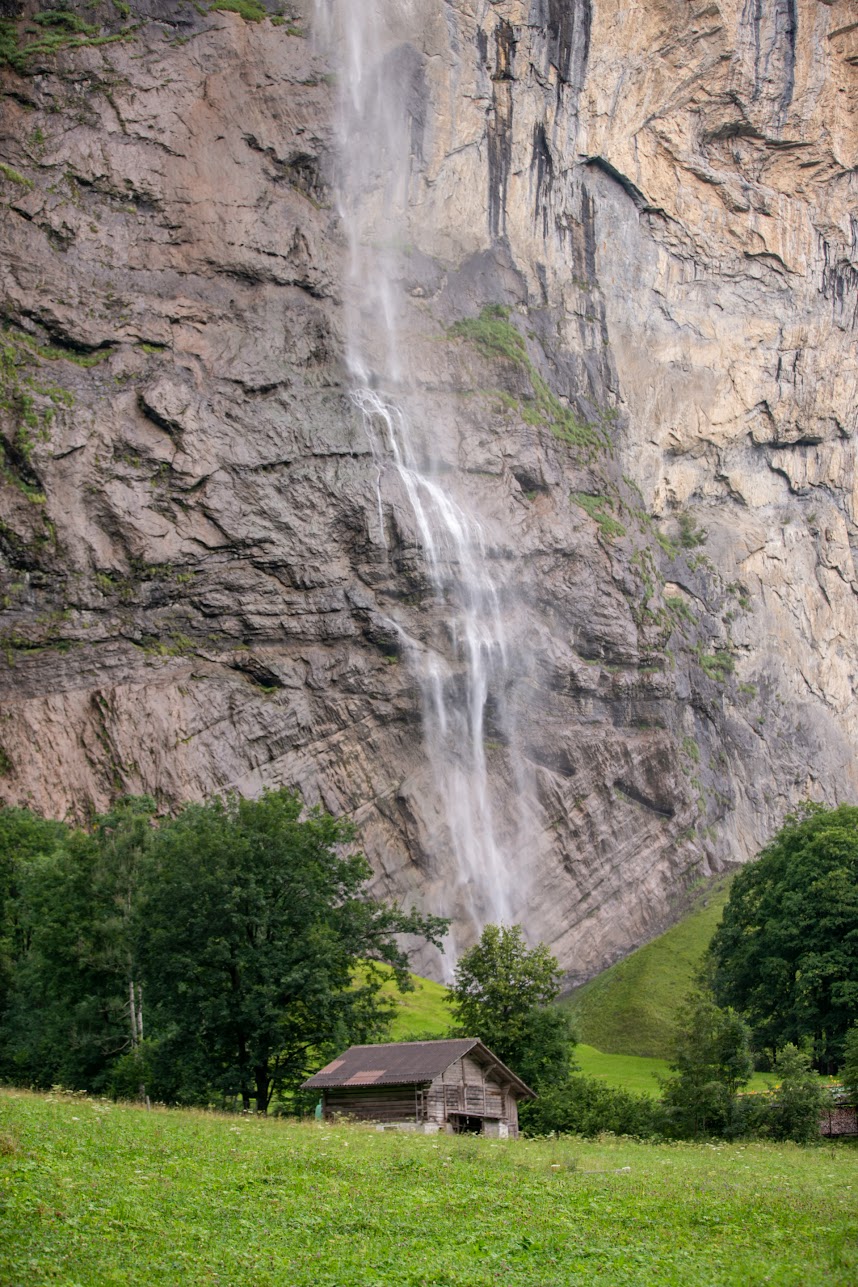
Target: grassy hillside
{"x":96,"y":1194}
{"x":620,"y":1014}
{"x":637,"y":996}
{"x":421,"y":1014}
{"x":630,"y":1008}
{"x":638,"y":1073}
{"x":627,"y":1072}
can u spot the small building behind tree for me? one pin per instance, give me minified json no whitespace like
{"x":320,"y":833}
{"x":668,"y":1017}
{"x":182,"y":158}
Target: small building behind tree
{"x":456,"y":1085}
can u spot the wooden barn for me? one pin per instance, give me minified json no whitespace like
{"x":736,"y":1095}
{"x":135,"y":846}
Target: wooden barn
{"x":455,"y":1086}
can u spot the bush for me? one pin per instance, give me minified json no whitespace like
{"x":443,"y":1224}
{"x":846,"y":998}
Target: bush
{"x":712,"y":1060}
{"x":791,"y":1109}
{"x":799,"y":1100}
{"x":849,"y":1067}
{"x":585,"y":1106}
{"x":131,"y":1074}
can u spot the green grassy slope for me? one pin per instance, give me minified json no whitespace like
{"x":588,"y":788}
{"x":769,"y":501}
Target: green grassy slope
{"x":94,"y":1194}
{"x":421,"y":1014}
{"x":625,"y":1072}
{"x":637,"y":1073}
{"x":630,"y":1008}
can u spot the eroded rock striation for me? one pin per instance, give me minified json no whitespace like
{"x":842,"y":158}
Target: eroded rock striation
{"x":631,"y":276}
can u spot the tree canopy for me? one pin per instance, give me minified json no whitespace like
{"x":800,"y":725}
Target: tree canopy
{"x":67,"y":1012}
{"x":711,"y":1061}
{"x":502,"y":993}
{"x":252,"y":930}
{"x":242,"y":931}
{"x":23,"y":837}
{"x":786,"y":952}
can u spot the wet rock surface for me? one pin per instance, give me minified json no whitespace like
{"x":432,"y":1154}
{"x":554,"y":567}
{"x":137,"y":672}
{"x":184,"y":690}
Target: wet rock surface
{"x":202,"y":577}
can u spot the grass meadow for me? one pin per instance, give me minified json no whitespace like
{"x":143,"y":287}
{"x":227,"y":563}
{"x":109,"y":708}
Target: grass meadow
{"x":94,"y":1193}
{"x":639,"y":1073}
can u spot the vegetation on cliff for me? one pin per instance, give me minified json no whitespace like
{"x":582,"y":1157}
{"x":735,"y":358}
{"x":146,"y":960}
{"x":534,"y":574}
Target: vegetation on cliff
{"x":495,"y":336}
{"x":52,"y":30}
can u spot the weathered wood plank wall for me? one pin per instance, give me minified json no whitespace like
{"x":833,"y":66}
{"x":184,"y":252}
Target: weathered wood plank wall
{"x":465,"y":1087}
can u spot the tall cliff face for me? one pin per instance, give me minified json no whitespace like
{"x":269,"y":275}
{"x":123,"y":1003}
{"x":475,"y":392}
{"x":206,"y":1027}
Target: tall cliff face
{"x":630,"y":285}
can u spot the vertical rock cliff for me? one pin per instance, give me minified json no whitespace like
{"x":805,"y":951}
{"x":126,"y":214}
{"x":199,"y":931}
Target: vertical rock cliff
{"x":628,"y":284}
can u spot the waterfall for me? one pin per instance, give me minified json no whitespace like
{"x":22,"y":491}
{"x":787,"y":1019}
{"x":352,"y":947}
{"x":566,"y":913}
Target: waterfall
{"x":466,"y":673}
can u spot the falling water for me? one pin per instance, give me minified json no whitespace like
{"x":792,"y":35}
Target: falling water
{"x":468,"y":673}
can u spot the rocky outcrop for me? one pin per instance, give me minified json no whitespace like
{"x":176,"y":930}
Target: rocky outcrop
{"x":197,"y":593}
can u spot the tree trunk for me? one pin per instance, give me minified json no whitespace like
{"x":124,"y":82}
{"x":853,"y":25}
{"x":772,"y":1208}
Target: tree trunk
{"x":243,"y":1072}
{"x":135,"y":1012}
{"x":135,"y":1002}
{"x":262,"y":1084}
{"x":132,"y":1011}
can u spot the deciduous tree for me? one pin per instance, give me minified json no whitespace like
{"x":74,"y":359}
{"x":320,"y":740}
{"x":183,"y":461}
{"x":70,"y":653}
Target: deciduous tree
{"x":74,"y":1002}
{"x":24,"y":836}
{"x":254,"y":924}
{"x":502,"y":993}
{"x":712,"y":1060}
{"x":786,"y":952}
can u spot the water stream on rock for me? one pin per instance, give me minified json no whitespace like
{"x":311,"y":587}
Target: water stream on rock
{"x":464,"y":678}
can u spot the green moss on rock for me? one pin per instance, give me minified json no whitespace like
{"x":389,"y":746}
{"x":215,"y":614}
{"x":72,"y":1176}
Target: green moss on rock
{"x":494,"y":335}
{"x":250,"y":10}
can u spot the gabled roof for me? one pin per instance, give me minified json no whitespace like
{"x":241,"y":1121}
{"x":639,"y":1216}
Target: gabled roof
{"x":406,"y":1063}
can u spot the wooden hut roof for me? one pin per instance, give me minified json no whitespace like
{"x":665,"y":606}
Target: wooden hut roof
{"x":400,"y":1063}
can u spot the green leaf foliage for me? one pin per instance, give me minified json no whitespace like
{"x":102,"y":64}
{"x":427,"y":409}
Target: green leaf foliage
{"x":24,"y":838}
{"x":252,"y":929}
{"x":786,"y":953}
{"x":711,"y":1062}
{"x":502,"y":993}
{"x":212,"y":955}
{"x":68,"y":1018}
{"x":799,"y":1097}
{"x":791,"y":1107}
{"x":586,"y":1106}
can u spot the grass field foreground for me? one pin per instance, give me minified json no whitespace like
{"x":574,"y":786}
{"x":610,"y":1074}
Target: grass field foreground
{"x":94,"y":1194}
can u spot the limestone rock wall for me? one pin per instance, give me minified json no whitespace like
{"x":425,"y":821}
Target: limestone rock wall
{"x":195,"y":591}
